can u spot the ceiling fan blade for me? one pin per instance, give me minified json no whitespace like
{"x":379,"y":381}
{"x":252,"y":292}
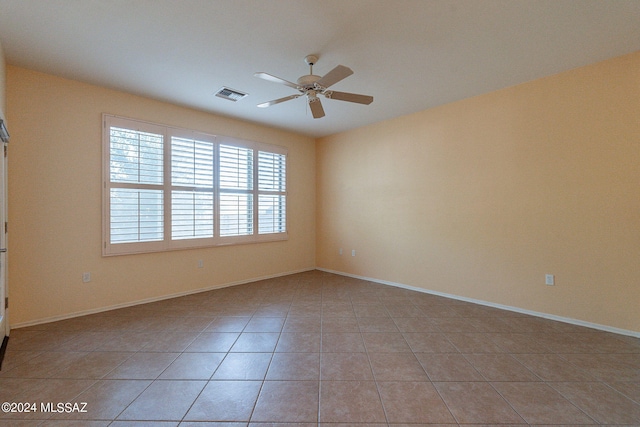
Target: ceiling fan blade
{"x":316,"y":107}
{"x":278,"y":101}
{"x":270,"y":78}
{"x":334,"y":76}
{"x":349,"y":97}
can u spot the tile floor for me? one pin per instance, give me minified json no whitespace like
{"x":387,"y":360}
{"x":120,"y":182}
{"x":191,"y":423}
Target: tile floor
{"x":319,"y":349}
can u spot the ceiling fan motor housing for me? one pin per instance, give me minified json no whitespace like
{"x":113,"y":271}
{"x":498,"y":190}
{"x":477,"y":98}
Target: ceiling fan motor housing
{"x":308,"y":81}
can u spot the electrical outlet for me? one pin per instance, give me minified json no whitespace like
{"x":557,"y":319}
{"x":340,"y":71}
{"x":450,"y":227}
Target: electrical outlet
{"x":549,"y":279}
{"x":353,"y":252}
{"x":86,"y":277}
{"x":340,"y":251}
{"x":200,"y":263}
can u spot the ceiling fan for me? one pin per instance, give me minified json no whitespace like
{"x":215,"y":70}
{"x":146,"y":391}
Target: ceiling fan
{"x":311,"y":86}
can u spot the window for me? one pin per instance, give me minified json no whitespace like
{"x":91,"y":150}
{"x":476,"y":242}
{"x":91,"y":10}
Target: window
{"x":168,"y":188}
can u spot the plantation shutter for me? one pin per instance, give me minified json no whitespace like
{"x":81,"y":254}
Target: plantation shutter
{"x":168,"y":188}
{"x":236,"y":191}
{"x":192,"y":188}
{"x":272,"y":192}
{"x":136,"y":178}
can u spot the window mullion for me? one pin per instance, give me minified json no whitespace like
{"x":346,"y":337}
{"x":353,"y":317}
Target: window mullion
{"x":256,"y":191}
{"x":216,"y":189}
{"x":167,"y":188}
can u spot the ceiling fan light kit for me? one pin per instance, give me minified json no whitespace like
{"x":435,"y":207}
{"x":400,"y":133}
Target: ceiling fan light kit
{"x":311,"y":86}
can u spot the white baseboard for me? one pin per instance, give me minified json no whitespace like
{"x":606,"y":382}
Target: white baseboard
{"x":148,"y":300}
{"x":370,"y":279}
{"x":494,"y":305}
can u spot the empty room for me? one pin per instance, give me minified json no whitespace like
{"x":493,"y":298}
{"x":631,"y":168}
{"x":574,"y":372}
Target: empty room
{"x":320,"y":213}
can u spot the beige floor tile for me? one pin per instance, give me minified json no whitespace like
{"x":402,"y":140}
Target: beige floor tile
{"x":600,"y":402}
{"x":476,"y":403}
{"x":448,"y":367}
{"x":264,"y":324}
{"x":243,"y":366}
{"x":302,"y":324}
{"x":608,"y":367}
{"x":225,"y":401}
{"x":538,"y":403}
{"x":403,"y":310}
{"x":437,"y":311}
{"x":413,"y":402}
{"x":350,"y":402}
{"x":429,"y":343}
{"x":213,"y":342}
{"x":193,"y":366}
{"x":298,"y":342}
{"x":47,"y":390}
{"x":41,"y":340}
{"x":287,"y":401}
{"x":188,"y":323}
{"x":345,"y":367}
{"x":397,"y":366}
{"x":500,"y":367}
{"x":558,"y":342}
{"x":377,"y":324}
{"x":490,"y":324}
{"x":385,"y":342}
{"x":273,"y":309}
{"x":164,"y":400}
{"x":88,"y":341}
{"x":517,"y":343}
{"x":349,"y":342}
{"x":532,"y":324}
{"x":228,"y":324}
{"x":92,"y":365}
{"x":294,"y":366}
{"x":629,"y":389}
{"x":14,"y":389}
{"x":72,"y":423}
{"x":126,"y":341}
{"x":415,"y":324}
{"x":215,"y":424}
{"x":551,"y":367}
{"x":13,"y":359}
{"x":370,"y":310}
{"x":606,"y":342}
{"x":256,"y":342}
{"x":142,"y":366}
{"x":171,"y":341}
{"x":144,"y":424}
{"x":106,"y":399}
{"x":454,"y":324}
{"x":338,"y":309}
{"x":473,"y":342}
{"x":44,"y":365}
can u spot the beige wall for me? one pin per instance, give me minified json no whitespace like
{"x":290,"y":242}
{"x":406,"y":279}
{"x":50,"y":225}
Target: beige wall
{"x":3,"y":73}
{"x":483,"y":197}
{"x":55,"y":204}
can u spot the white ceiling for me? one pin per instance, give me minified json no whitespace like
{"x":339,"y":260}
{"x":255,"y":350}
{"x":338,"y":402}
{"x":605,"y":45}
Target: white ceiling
{"x":409,"y":54}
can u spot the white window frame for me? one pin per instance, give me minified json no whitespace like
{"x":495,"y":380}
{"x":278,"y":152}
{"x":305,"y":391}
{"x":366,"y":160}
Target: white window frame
{"x":167,"y":243}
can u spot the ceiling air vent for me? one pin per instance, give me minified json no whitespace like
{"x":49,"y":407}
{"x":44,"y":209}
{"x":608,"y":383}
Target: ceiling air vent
{"x":230,"y":94}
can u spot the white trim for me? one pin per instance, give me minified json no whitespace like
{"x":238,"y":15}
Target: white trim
{"x":152,"y":299}
{"x":494,"y":305}
{"x":166,"y":242}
